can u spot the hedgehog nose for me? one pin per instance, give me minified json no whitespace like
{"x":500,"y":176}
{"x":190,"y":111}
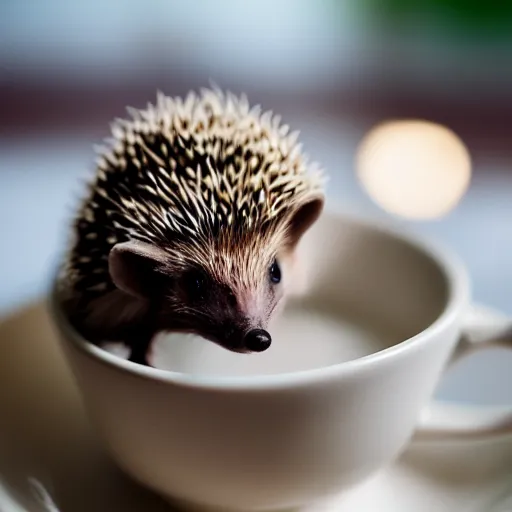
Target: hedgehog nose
{"x":257,"y":340}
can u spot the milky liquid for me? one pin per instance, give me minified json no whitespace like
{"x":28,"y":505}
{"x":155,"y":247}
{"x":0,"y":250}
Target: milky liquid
{"x":302,"y":339}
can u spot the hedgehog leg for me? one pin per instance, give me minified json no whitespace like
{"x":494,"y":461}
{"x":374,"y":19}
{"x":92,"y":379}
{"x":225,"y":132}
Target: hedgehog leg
{"x":139,"y":349}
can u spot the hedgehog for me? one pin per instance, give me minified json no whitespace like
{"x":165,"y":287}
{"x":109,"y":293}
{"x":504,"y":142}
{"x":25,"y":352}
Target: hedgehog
{"x":190,"y":224}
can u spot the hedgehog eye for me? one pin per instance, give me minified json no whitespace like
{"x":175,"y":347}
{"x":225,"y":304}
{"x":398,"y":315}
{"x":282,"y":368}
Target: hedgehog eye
{"x":275,"y":272}
{"x":195,"y":283}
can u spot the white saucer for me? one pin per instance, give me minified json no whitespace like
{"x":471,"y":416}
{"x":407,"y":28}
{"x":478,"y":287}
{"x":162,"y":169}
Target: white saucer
{"x":44,"y":434}
{"x":462,"y":477}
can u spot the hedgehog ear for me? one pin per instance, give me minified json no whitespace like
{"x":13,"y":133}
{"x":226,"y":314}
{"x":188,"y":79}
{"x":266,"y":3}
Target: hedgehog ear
{"x":134,"y":267}
{"x":303,"y":218}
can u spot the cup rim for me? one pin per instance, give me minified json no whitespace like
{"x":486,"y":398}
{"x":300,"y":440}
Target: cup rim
{"x":449,"y":264}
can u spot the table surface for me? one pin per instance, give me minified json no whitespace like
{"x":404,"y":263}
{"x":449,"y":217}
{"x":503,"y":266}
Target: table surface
{"x":39,"y":184}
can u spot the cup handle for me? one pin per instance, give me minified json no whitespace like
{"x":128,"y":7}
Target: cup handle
{"x":483,"y":328}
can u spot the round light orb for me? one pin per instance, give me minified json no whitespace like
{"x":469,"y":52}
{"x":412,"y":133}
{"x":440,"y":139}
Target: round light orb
{"x":412,"y":168}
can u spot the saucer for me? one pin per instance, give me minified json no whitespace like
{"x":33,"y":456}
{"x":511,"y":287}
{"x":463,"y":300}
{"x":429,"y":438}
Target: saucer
{"x":441,"y":477}
{"x":45,"y":434}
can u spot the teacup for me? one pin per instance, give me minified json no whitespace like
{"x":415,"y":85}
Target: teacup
{"x":322,"y":410}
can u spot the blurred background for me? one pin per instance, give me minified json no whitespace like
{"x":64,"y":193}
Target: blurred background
{"x":332,"y":68}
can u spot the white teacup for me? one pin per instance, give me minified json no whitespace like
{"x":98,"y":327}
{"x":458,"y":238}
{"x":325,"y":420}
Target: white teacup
{"x":326,"y":407}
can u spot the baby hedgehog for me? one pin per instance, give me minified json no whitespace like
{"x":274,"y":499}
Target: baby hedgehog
{"x":190,"y":225}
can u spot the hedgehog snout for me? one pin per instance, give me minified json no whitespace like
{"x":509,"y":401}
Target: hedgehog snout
{"x":238,"y":338}
{"x":257,"y":340}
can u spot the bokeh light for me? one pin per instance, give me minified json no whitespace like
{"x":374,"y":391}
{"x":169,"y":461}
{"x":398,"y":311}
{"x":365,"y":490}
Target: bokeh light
{"x":413,"y":168}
